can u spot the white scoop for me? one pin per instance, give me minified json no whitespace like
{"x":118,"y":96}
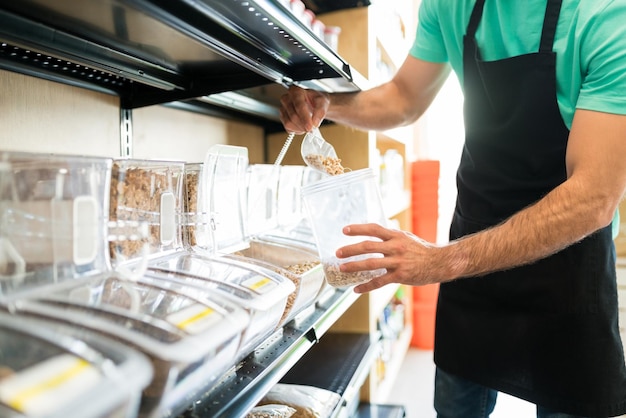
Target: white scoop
{"x":319,"y":154}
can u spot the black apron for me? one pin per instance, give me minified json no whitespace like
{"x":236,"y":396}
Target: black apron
{"x":545,"y":332}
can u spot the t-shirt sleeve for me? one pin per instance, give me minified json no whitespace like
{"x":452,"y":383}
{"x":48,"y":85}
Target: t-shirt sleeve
{"x":429,"y":43}
{"x":603,"y":57}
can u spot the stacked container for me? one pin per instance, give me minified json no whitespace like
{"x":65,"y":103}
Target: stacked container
{"x":274,"y":201}
{"x":51,"y":370}
{"x":259,"y":291}
{"x":213,"y":223}
{"x":302,"y":267}
{"x":191,"y":341}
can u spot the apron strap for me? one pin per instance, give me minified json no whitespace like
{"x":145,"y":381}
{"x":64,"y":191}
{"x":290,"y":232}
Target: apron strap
{"x":549,"y":25}
{"x":475,"y":18}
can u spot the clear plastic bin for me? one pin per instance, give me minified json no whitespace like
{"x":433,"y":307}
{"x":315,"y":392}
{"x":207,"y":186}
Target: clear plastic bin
{"x":337,"y":201}
{"x":56,"y":371}
{"x":302,"y":267}
{"x":53,"y":221}
{"x":191,"y":340}
{"x":148,"y":191}
{"x":261,"y":291}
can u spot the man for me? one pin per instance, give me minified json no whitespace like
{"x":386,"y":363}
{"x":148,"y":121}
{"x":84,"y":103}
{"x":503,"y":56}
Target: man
{"x":527,"y":301}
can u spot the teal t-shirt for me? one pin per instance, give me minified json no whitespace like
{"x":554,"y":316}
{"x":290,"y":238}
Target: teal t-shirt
{"x":590,"y":44}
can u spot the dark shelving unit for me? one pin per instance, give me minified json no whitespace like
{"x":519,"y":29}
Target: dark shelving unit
{"x":165,"y":51}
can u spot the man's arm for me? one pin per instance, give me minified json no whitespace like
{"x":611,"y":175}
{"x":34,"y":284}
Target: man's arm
{"x":400,"y":101}
{"x":584,"y":203}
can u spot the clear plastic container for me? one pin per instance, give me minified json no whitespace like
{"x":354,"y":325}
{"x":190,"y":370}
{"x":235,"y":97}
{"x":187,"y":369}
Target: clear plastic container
{"x":300,"y":266}
{"x":333,"y":203}
{"x":53,"y":221}
{"x":190,"y":339}
{"x":259,"y":290}
{"x":148,"y":191}
{"x":56,"y":371}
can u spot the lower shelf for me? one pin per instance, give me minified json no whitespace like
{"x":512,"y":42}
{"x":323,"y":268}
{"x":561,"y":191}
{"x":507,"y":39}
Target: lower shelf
{"x":340,"y":363}
{"x":247,"y":382}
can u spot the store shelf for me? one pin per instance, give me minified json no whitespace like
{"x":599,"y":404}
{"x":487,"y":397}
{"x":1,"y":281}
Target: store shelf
{"x":340,"y":363}
{"x":400,"y":347}
{"x":162,"y":51}
{"x":246,"y":383}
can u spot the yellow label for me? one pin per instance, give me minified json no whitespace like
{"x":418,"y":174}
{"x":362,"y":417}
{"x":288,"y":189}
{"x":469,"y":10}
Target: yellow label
{"x":195,"y":318}
{"x":260,"y":284}
{"x":48,"y":385}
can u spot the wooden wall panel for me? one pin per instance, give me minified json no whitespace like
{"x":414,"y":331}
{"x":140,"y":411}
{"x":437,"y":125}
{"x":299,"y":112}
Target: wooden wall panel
{"x":42,"y":116}
{"x":37,"y":115}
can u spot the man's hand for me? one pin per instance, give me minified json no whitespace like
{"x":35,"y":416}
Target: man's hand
{"x":303,"y":110}
{"x":408,"y":259}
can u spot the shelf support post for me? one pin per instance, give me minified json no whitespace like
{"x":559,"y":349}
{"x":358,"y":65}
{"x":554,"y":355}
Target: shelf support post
{"x":126,"y":133}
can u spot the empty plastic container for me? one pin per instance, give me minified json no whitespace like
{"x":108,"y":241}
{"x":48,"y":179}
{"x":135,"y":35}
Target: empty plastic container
{"x":53,"y":221}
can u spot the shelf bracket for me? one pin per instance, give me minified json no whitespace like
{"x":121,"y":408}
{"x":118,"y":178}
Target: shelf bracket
{"x":311,"y":335}
{"x":126,"y":133}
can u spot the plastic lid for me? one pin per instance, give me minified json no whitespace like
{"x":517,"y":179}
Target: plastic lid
{"x":290,"y":210}
{"x":221,"y":196}
{"x":252,"y":286}
{"x":262,"y":198}
{"x":157,"y":317}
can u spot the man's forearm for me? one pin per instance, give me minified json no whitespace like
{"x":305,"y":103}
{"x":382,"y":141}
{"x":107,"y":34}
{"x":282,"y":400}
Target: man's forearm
{"x":370,"y":109}
{"x":555,"y":222}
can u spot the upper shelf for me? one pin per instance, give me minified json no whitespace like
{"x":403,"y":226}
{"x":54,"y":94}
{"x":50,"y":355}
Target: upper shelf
{"x":160,"y":51}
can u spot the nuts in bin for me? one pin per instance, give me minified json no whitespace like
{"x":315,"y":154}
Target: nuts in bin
{"x":191,"y":205}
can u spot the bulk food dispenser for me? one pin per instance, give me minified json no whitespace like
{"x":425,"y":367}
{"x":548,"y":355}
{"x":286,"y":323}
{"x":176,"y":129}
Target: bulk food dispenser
{"x":264,"y":207}
{"x":53,"y":225}
{"x":147,"y":191}
{"x":191,"y":340}
{"x":213,"y":225}
{"x":53,"y":230}
{"x":272,"y":191}
{"x":48,"y":369}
